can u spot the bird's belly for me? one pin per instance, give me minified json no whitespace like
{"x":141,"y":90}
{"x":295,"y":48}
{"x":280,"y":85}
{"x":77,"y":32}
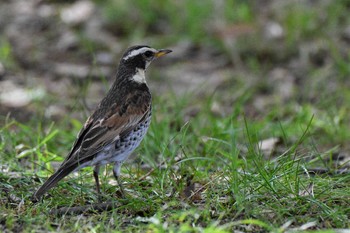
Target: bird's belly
{"x":119,"y":150}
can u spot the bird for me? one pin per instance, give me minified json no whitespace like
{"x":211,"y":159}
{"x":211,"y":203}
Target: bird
{"x":118,"y":124}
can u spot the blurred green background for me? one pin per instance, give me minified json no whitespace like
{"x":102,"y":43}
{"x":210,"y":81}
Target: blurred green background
{"x":59,"y":57}
{"x":249,"y":40}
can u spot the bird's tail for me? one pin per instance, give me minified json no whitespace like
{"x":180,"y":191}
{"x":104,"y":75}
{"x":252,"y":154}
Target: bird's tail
{"x":52,"y":181}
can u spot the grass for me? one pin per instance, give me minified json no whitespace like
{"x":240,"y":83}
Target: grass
{"x":213,"y":178}
{"x":6,"y":55}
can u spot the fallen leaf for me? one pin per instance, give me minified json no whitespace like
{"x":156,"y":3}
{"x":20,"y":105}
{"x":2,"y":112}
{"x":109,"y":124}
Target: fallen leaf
{"x":308,"y":191}
{"x":192,"y":191}
{"x":77,"y":13}
{"x":268,"y":146}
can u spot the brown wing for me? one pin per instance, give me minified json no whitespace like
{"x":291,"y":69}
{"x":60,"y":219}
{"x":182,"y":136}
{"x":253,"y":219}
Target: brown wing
{"x":101,"y":132}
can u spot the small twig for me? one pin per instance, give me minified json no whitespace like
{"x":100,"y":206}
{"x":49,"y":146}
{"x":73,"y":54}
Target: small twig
{"x":159,"y":166}
{"x":201,"y":189}
{"x":98,"y":207}
{"x":325,"y":171}
{"x":151,"y":171}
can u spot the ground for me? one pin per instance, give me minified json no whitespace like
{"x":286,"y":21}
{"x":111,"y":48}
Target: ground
{"x":251,"y":116}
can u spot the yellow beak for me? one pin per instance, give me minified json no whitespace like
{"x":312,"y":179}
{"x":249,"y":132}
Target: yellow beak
{"x":162,"y":52}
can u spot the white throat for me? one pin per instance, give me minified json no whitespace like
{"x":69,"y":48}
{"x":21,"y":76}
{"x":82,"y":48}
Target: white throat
{"x":139,"y":76}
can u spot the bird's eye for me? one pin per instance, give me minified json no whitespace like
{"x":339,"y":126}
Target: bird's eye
{"x":148,"y":54}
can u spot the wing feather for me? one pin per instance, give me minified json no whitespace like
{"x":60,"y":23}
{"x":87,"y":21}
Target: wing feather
{"x":101,"y":132}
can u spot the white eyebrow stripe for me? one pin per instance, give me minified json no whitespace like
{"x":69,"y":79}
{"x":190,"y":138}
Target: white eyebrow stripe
{"x":134,"y":53}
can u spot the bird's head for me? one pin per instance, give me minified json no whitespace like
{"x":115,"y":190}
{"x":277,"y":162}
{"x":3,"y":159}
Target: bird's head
{"x":140,"y":56}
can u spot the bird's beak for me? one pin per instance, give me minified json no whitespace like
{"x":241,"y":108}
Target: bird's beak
{"x":162,"y":52}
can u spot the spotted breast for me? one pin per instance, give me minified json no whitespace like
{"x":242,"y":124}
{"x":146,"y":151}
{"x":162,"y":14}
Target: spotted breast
{"x":119,"y":151}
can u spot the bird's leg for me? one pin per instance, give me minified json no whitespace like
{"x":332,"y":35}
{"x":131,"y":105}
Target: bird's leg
{"x":96,"y":171}
{"x":116,"y":173}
